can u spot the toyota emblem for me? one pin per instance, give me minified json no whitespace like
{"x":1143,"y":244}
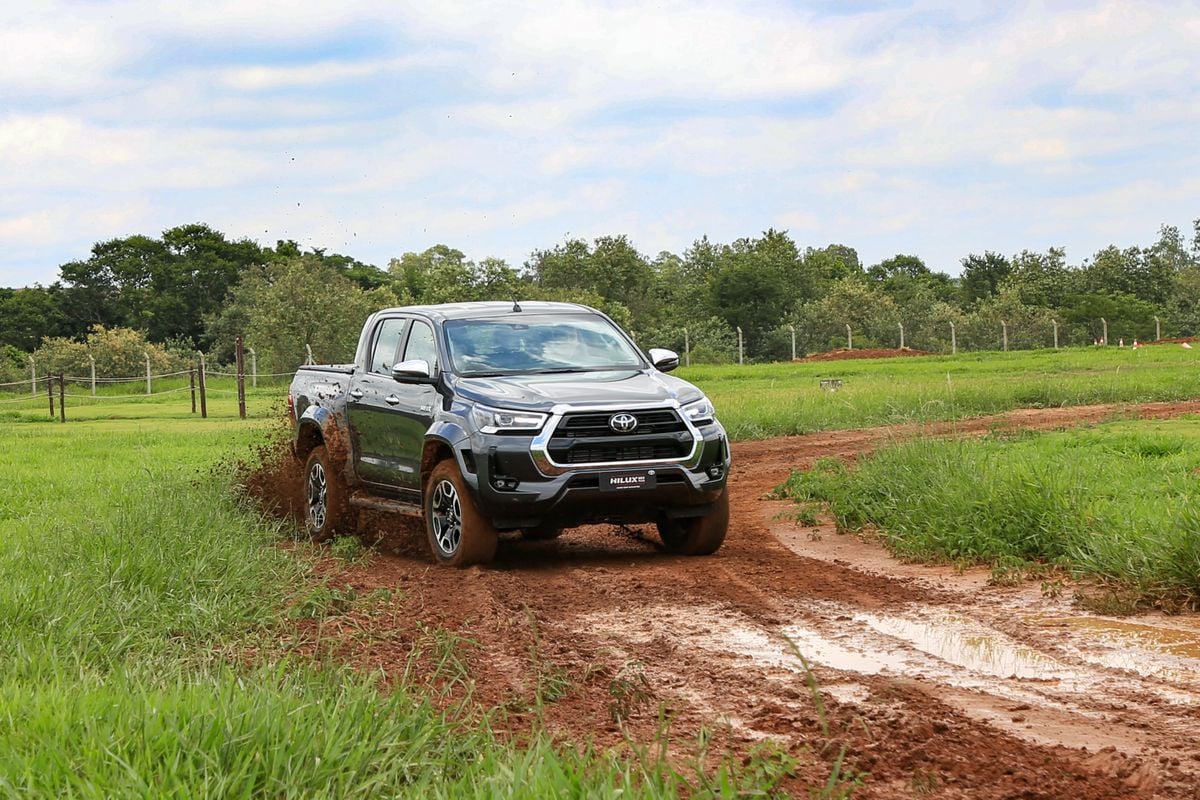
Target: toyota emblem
{"x":622,"y":423}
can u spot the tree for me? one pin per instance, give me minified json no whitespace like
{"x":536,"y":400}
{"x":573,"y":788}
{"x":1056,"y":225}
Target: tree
{"x":285,"y":305}
{"x":1040,"y":279}
{"x":982,"y":275}
{"x":611,"y":267}
{"x":29,"y":315}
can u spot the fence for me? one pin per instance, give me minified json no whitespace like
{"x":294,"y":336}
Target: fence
{"x":57,"y":387}
{"x":1034,"y":334}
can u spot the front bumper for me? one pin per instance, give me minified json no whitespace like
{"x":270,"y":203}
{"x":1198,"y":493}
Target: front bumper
{"x":516,"y":485}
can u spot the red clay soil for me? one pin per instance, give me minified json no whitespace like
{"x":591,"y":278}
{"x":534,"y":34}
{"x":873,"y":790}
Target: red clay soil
{"x":614,"y":635}
{"x":1186,"y":339}
{"x":865,"y":352}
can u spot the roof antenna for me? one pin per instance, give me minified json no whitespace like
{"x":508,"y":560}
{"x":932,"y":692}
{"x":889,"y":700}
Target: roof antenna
{"x":516,"y":305}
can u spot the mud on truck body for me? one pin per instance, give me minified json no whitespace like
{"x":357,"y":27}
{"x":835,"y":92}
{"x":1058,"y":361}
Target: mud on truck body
{"x":486,"y":418}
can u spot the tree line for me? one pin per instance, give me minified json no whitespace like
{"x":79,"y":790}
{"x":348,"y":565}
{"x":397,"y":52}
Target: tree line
{"x":194,"y":288}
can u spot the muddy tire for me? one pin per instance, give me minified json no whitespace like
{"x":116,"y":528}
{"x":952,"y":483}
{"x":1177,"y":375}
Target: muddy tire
{"x":541,"y":533}
{"x":697,"y":536}
{"x":459,"y":535}
{"x":326,"y":510}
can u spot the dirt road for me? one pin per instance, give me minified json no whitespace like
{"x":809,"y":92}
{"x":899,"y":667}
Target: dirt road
{"x":935,"y":683}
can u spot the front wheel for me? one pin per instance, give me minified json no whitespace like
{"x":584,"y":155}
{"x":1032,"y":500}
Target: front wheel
{"x":459,"y":534}
{"x":325,"y":508}
{"x":697,"y":536}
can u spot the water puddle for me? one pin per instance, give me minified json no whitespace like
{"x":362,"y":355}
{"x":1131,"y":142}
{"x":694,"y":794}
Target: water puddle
{"x":965,"y":643}
{"x":1155,"y":650}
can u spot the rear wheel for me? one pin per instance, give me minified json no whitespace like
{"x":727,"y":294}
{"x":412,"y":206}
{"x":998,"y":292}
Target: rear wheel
{"x":325,"y":507}
{"x":459,"y":534}
{"x":697,"y":536}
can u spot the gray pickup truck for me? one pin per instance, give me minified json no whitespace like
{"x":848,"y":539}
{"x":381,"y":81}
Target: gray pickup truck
{"x":485,"y":418}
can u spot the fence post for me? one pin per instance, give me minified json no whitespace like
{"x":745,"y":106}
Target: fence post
{"x":901,"y":324}
{"x":253,"y":368}
{"x":192,"y":384}
{"x":792,"y":328}
{"x":1054,"y":322}
{"x":241,"y":376}
{"x":849,"y":337}
{"x":1104,"y":339}
{"x":953,"y":339}
{"x":62,"y":398}
{"x":1157,"y":328}
{"x":50,"y":393}
{"x":741,"y":349}
{"x":32,"y":376}
{"x":308,"y":352}
{"x":687,"y":349}
{"x":201,"y":354}
{"x":1004,"y":330}
{"x":146,"y":355}
{"x":203,"y":393}
{"x":92,"y":366}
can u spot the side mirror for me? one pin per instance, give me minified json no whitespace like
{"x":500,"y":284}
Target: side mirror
{"x":414,"y":371}
{"x":665,"y":360}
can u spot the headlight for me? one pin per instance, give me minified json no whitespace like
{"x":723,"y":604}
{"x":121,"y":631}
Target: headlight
{"x":497,"y":420}
{"x":700,"y":411}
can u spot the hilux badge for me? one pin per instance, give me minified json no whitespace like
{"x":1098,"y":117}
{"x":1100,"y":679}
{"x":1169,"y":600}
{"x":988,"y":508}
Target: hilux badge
{"x":622,"y":423}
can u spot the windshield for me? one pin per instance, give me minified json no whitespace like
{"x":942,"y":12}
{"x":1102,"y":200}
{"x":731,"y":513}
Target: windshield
{"x":537,"y":344}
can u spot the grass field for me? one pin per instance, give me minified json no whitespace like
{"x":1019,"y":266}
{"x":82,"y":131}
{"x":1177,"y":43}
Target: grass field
{"x":1119,"y":501}
{"x":764,"y":400}
{"x":758,"y":401}
{"x":141,"y":609}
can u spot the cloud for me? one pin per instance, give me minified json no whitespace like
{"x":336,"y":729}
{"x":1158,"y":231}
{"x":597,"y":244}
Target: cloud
{"x":926,"y":127}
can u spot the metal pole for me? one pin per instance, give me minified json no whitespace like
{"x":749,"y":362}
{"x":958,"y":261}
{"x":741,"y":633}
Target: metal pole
{"x":1054,"y":322}
{"x":308,"y":352}
{"x":92,"y":361}
{"x":901,"y":324}
{"x":241,"y":376}
{"x":741,"y":350}
{"x":147,"y":356}
{"x":1157,"y":329}
{"x":792,"y":328}
{"x":1004,"y":328}
{"x":62,"y":398}
{"x":953,"y":340}
{"x":687,"y":349}
{"x":849,"y":338}
{"x":253,"y":368}
{"x":32,"y":376}
{"x":1104,"y":341}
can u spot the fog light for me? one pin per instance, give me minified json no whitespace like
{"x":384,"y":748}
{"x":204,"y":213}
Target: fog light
{"x":714,"y":471}
{"x":506,"y":484}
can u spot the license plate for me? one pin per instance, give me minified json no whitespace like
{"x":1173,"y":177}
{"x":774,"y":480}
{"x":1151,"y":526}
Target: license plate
{"x":626,"y":481}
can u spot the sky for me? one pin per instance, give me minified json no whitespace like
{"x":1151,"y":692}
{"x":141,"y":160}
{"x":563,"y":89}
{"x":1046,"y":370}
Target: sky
{"x":376,"y":128}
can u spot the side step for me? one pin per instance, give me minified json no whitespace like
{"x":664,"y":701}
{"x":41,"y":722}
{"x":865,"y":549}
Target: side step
{"x":387,"y":505}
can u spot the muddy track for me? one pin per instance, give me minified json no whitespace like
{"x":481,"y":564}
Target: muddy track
{"x":934,"y":683}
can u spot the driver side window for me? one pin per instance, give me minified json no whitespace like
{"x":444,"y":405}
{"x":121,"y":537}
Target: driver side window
{"x":387,"y":342}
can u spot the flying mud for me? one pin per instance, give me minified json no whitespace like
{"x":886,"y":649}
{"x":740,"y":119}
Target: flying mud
{"x":932,"y":682}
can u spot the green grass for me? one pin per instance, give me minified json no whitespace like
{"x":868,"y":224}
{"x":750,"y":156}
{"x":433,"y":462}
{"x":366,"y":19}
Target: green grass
{"x":1119,"y":501}
{"x":142,"y":608}
{"x":765,"y":400}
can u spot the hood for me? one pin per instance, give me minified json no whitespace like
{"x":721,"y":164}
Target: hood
{"x":542,"y":392}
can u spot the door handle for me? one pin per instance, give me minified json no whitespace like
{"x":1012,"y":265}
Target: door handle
{"x":356,"y":394}
{"x":391,"y":400}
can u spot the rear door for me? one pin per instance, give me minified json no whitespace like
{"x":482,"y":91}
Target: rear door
{"x":376,"y":458}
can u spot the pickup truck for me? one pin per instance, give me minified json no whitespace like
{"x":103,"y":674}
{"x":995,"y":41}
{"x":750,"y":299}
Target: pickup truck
{"x":488,"y":418}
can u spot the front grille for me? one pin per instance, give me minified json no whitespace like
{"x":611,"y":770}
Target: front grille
{"x":605,"y":453}
{"x":587,"y":438}
{"x":592,"y":424}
